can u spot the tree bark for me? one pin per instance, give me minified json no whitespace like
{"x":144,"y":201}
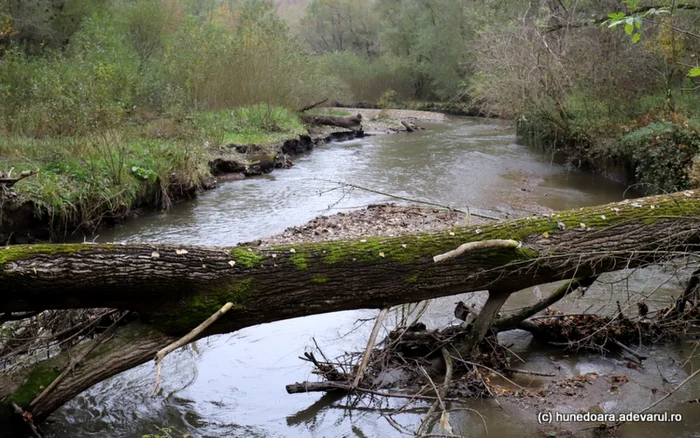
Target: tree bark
{"x":482,"y":323}
{"x":176,"y":287}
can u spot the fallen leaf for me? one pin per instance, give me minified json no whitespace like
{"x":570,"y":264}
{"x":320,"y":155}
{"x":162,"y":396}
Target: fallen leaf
{"x":619,"y":379}
{"x":381,"y":254}
{"x":545,"y":235}
{"x":602,"y":216}
{"x":583,"y":225}
{"x":232,"y":263}
{"x":403,"y":245}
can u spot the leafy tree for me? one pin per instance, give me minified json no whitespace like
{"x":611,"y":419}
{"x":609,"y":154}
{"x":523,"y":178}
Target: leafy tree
{"x":40,"y":23}
{"x":339,"y":25}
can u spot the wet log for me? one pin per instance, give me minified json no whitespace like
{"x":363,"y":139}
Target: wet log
{"x":176,"y":287}
{"x":353,"y":123}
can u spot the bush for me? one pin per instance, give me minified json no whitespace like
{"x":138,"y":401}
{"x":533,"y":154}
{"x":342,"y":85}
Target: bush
{"x":663,"y":153}
{"x":365,"y":80}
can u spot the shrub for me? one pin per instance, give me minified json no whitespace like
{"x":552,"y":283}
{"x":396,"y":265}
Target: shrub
{"x":663,"y":153}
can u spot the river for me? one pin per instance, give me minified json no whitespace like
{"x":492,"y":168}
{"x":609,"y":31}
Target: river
{"x":233,"y":385}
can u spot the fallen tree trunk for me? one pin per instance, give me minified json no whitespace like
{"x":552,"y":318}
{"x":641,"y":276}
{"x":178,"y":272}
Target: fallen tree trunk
{"x":353,"y":123}
{"x":176,"y":287}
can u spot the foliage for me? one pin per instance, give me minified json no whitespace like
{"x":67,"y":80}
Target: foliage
{"x":387,"y":100}
{"x":119,"y":110}
{"x":663,"y":153}
{"x":540,"y":68}
{"x":671,"y":34}
{"x":250,"y":125}
{"x":130,"y":60}
{"x":341,"y":25}
{"x":86,"y":179}
{"x":82,"y":179}
{"x":364,"y":80}
{"x":695,"y":172}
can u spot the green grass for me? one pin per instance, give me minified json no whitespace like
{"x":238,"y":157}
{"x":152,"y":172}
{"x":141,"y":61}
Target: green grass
{"x":83,"y":178}
{"x":257,"y":124}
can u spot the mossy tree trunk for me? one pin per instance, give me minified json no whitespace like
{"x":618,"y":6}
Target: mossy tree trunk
{"x":175,"y":287}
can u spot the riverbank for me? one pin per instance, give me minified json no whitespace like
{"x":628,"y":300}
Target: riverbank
{"x":654,"y":149}
{"x":104,"y":178}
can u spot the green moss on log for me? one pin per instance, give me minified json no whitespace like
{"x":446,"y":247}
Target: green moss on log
{"x":319,"y":279}
{"x":405,"y":250}
{"x":412,"y":278}
{"x":416,"y":248}
{"x":247,"y":257}
{"x":299,"y":260}
{"x":203,"y":303}
{"x":17,"y":253}
{"x":24,"y":252}
{"x":38,"y":379}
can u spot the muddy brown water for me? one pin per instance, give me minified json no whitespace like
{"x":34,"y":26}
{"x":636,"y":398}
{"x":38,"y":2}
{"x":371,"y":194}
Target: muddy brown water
{"x":233,"y":385}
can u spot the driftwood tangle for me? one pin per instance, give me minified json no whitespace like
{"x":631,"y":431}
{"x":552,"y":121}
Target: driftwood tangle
{"x":353,"y":123}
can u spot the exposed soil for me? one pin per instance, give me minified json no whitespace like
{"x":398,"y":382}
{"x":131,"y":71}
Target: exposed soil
{"x":235,"y":161}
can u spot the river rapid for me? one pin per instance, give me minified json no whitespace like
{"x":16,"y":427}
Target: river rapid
{"x":234,"y":385}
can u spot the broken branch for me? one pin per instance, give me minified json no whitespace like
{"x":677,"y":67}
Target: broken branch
{"x":186,"y":340}
{"x":370,"y":345}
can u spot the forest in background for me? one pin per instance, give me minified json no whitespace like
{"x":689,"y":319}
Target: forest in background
{"x":114,"y":100}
